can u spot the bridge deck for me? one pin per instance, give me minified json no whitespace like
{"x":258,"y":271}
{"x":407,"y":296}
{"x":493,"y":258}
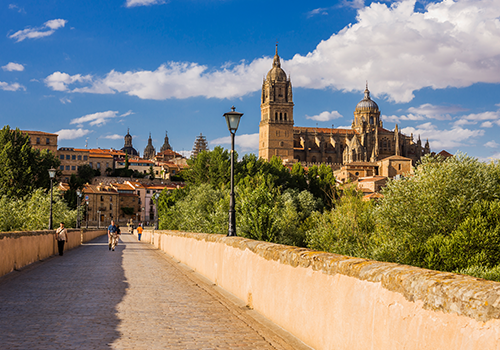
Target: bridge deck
{"x":135,"y":297}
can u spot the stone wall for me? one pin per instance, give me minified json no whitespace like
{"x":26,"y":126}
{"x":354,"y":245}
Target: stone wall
{"x":18,"y":249}
{"x":331,"y":301}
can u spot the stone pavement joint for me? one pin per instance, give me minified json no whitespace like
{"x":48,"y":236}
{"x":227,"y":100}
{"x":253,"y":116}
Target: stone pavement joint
{"x":135,"y":297}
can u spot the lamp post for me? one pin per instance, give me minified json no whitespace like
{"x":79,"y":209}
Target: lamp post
{"x":233,"y":121}
{"x":157,"y":219}
{"x":143,"y":217}
{"x":78,"y":195}
{"x":52,"y":175}
{"x":98,"y":219}
{"x":86,"y":214}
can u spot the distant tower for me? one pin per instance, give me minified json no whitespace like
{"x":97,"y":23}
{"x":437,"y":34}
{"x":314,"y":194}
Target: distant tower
{"x":149,"y":151}
{"x":276,"y":123}
{"x":200,"y":144}
{"x":128,"y":148}
{"x":166,"y":144}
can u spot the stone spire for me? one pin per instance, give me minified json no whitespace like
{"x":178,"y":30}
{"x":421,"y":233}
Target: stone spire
{"x":149,"y":151}
{"x":396,"y":136}
{"x":166,"y":144}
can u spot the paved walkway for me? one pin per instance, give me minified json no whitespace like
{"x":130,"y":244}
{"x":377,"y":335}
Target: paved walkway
{"x":135,"y":297}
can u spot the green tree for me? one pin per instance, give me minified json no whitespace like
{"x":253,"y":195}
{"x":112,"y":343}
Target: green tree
{"x":151,"y":172}
{"x":210,"y":167}
{"x":22,"y":168}
{"x":322,"y":183}
{"x":433,"y":202}
{"x":347,"y":229}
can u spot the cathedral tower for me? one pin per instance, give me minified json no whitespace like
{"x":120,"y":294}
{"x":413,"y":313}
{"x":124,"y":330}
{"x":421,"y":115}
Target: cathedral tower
{"x":276,"y":123}
{"x":149,"y":151}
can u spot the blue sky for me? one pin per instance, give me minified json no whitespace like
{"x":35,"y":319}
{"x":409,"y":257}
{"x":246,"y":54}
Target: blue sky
{"x":89,"y":70}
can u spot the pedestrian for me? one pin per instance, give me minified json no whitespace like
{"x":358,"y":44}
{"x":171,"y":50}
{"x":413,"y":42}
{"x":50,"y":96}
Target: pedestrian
{"x":62,"y":237}
{"x":139,"y":232}
{"x":112,"y":235}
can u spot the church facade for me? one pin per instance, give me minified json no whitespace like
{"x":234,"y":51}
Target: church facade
{"x":367,"y":142}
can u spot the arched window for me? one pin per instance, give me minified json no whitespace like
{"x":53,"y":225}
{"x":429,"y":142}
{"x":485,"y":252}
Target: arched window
{"x":281,"y":116}
{"x":276,"y":116}
{"x":371,"y":120}
{"x":329,"y":160}
{"x":285,"y":116}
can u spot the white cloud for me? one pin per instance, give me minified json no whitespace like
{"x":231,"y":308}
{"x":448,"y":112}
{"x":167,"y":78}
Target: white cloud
{"x":16,"y":8}
{"x":488,"y":118}
{"x":491,"y":144}
{"x":435,"y":112}
{"x":64,"y":100}
{"x":318,"y":11}
{"x":47,"y":29}
{"x":71,"y":134}
{"x":113,"y":137}
{"x":59,"y":81}
{"x":11,"y":66}
{"x":11,"y":87}
{"x":133,"y":3}
{"x":357,"y":4}
{"x":186,"y":154}
{"x":449,"y":44}
{"x":442,"y":138}
{"x":325,"y":116}
{"x":99,"y":118}
{"x":246,"y":142}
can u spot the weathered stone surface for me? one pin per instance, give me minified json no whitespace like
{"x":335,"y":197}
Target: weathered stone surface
{"x":440,"y":291}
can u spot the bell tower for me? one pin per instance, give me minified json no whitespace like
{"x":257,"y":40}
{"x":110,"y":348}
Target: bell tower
{"x":276,"y":123}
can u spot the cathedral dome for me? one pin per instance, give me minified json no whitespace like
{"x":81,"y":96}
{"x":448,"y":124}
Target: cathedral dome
{"x":367,"y":102}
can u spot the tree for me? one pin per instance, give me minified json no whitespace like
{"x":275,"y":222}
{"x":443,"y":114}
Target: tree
{"x":210,"y":167}
{"x":22,"y":168}
{"x":433,"y":202}
{"x":151,"y":172}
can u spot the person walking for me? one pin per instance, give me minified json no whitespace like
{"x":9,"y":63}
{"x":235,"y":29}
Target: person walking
{"x":112,"y":235}
{"x":139,"y":232}
{"x":61,"y":237}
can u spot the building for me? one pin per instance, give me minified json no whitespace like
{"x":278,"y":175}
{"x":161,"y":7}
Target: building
{"x":363,"y":146}
{"x":166,"y":144}
{"x":42,"y":140}
{"x":127,"y":147}
{"x":200,"y":144}
{"x":149,"y":151}
{"x":71,"y":160}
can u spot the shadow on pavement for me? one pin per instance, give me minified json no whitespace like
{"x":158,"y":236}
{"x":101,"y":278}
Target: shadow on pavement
{"x":66,"y":302}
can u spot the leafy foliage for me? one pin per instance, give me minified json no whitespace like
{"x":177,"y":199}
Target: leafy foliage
{"x":32,"y":212}
{"x":22,"y":168}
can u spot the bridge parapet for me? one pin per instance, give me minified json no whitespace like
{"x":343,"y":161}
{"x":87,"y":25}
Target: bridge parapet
{"x":21,"y":248}
{"x":331,"y":301}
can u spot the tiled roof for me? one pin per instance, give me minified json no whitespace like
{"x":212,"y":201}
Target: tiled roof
{"x":445,"y":154}
{"x":395,"y":158}
{"x":372,"y":178}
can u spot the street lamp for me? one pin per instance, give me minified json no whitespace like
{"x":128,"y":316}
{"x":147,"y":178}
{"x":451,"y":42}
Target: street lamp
{"x":98,"y":219}
{"x":78,"y":195}
{"x":233,"y":121}
{"x":52,"y":175}
{"x":143,"y":217}
{"x":86,"y":214}
{"x":157,"y":219}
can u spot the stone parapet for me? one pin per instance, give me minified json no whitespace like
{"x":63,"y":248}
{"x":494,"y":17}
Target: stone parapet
{"x":331,"y":301}
{"x":21,"y":248}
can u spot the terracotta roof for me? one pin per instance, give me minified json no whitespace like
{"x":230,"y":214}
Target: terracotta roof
{"x":445,"y":154}
{"x":99,"y":189}
{"x":136,"y":184}
{"x":106,"y":156}
{"x":374,"y":195}
{"x":123,"y":187}
{"x":372,"y":178}
{"x":63,"y":186}
{"x":81,"y":150}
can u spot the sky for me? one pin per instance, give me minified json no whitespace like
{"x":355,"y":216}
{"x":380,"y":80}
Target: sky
{"x":91,"y":70}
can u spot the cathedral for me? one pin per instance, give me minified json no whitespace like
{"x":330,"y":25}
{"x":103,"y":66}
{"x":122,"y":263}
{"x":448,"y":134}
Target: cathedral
{"x":366,"y":144}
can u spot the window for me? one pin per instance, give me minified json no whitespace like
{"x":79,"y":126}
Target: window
{"x":102,"y":198}
{"x":90,"y":164}
{"x":80,"y":157}
{"x":147,"y":191}
{"x":67,"y":156}
{"x":47,"y":141}
{"x":356,"y":173}
{"x":73,"y":167}
{"x":138,"y":193}
{"x":313,"y":159}
{"x":85,"y":158}
{"x":399,"y":166}
{"x":73,"y":157}
{"x":98,"y":165}
{"x":67,"y":167}
{"x":285,"y":116}
{"x":37,"y":140}
{"x":156,"y":172}
{"x":61,"y":156}
{"x":61,"y":167}
{"x":110,"y":199}
{"x":110,"y":206}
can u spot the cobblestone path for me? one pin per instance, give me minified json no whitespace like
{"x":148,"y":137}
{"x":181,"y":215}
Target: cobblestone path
{"x":135,"y":297}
